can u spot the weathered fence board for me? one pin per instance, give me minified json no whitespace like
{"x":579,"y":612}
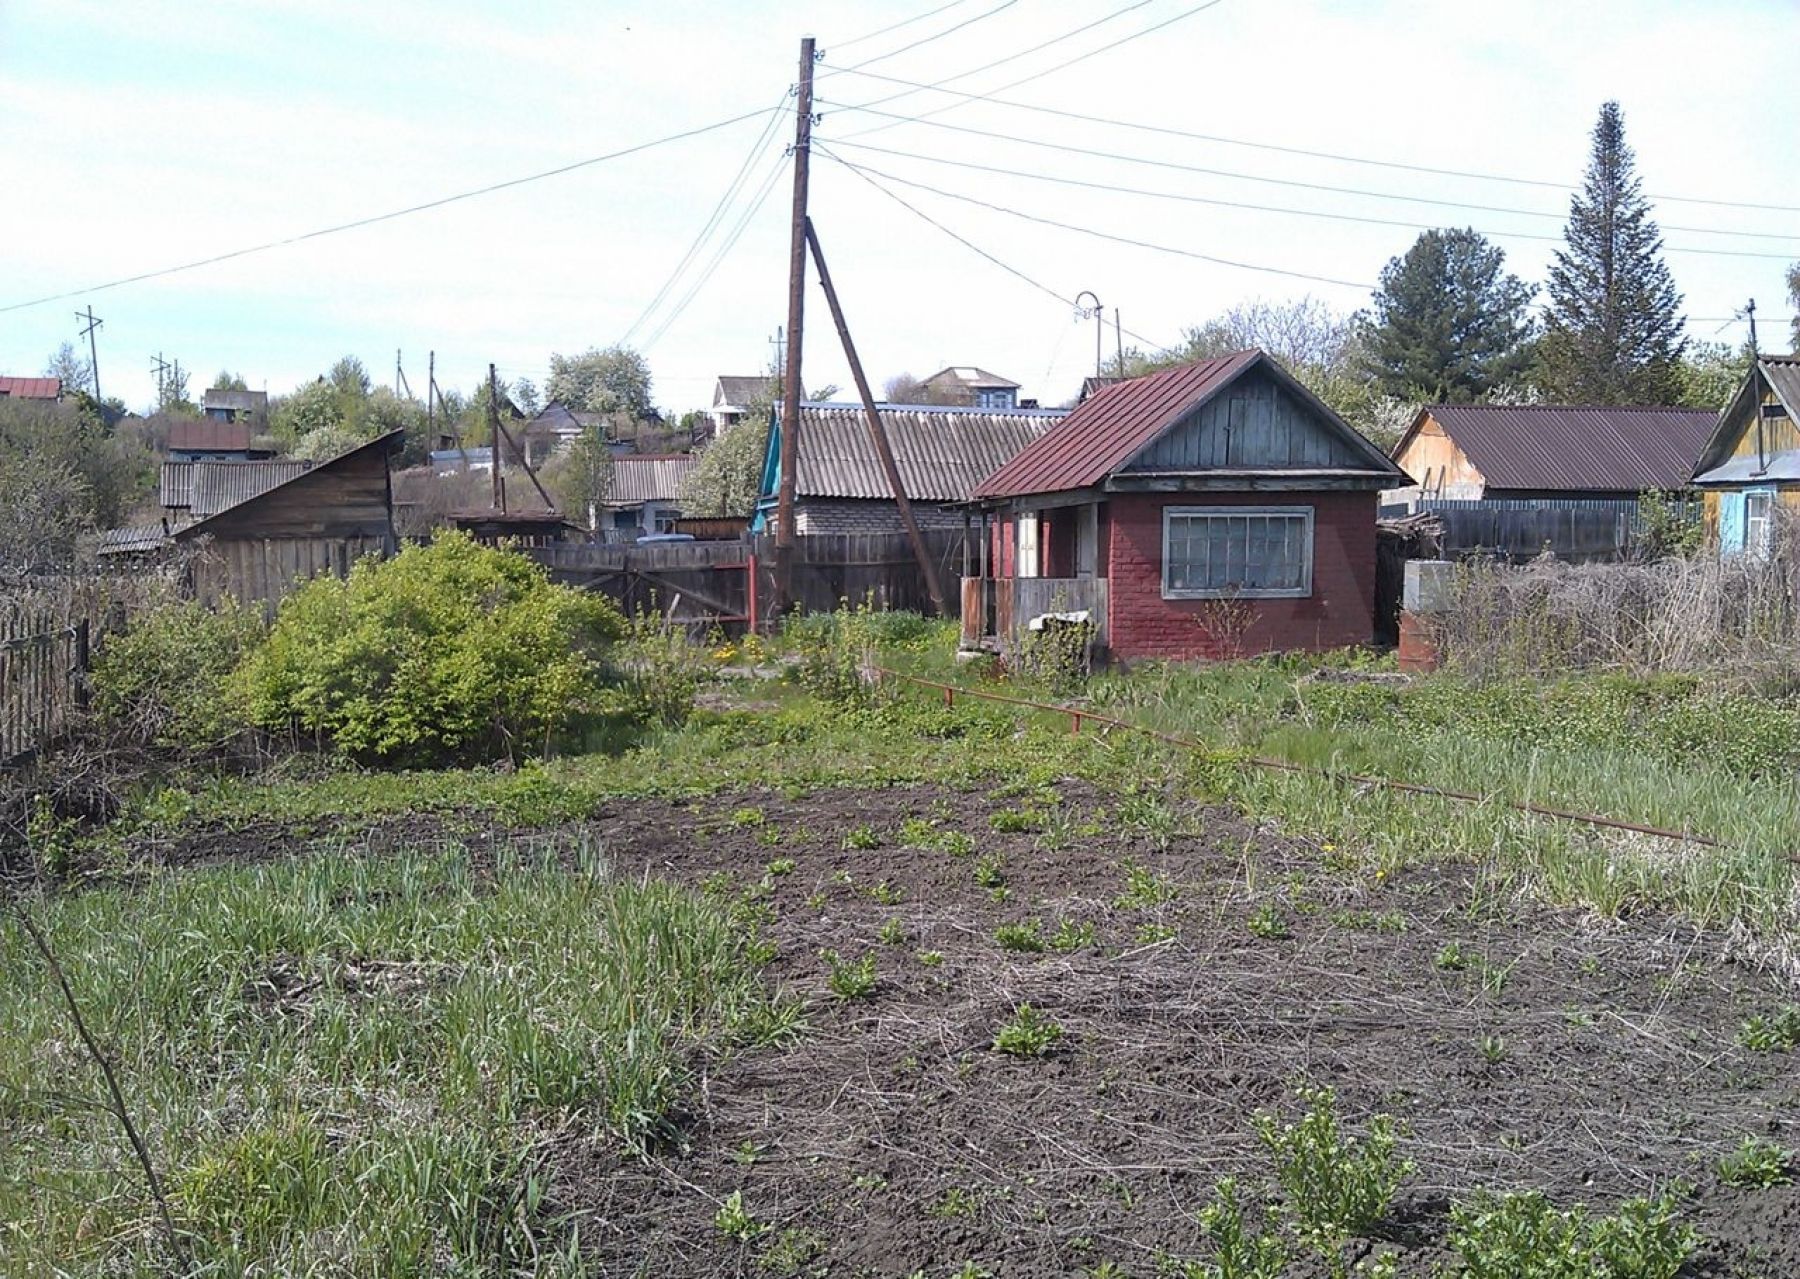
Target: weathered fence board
{"x":1524,"y":528}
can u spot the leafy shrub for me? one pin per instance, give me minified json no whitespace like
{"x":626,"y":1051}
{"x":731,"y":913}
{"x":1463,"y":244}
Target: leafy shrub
{"x":1337,"y":1186}
{"x":164,"y":681}
{"x":1028,"y":1034}
{"x":1775,"y":1032}
{"x":1524,"y":1236}
{"x":1241,"y":1254}
{"x":449,"y":651}
{"x":1756,"y":1165}
{"x":849,"y":979}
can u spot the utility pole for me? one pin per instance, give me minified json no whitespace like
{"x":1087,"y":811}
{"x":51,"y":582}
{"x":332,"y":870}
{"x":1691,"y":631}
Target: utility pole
{"x":161,"y":369}
{"x":93,"y":353}
{"x":499,"y":501}
{"x":430,"y":396}
{"x":1098,"y":313}
{"x":791,"y":390}
{"x":1119,"y":340}
{"x":1750,"y":314}
{"x":877,"y":433}
{"x":399,"y":377}
{"x":780,"y":361}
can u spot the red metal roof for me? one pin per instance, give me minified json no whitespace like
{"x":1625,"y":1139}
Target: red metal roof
{"x":209,"y":435}
{"x":1110,"y":427}
{"x":1578,"y":448}
{"x":31,"y":388}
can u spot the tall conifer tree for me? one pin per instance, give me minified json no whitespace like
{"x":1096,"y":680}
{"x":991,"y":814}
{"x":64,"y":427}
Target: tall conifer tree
{"x":1613,"y":331}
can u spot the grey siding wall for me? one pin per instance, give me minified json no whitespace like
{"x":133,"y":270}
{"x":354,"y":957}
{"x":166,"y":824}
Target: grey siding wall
{"x":856,"y":515}
{"x":1255,"y":423}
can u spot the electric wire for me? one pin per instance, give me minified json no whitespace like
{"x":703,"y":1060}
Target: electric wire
{"x":1339,"y":157}
{"x":1114,"y":188}
{"x":1295,"y":183}
{"x":925,"y":40}
{"x":386,"y":217}
{"x":904,"y":22}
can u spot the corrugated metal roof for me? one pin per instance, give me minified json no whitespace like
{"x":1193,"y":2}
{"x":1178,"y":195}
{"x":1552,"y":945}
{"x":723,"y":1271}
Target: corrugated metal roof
{"x":737,"y":392}
{"x":389,"y":443}
{"x":1111,"y":426}
{"x":31,"y":388}
{"x":1577,"y":447}
{"x":210,"y":435}
{"x":206,"y":488}
{"x":131,"y":541}
{"x":941,"y":453}
{"x":973,"y":378}
{"x":649,"y":477}
{"x":1783,"y":372}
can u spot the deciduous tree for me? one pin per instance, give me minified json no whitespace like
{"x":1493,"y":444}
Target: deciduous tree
{"x":614,"y":380}
{"x":76,"y":373}
{"x":581,"y":476}
{"x":1613,"y":330}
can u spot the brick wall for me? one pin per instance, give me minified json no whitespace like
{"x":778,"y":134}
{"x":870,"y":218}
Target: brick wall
{"x":857,"y":515}
{"x":1340,"y":610}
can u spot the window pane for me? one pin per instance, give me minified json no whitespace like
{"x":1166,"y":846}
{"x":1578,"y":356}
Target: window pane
{"x":1224,"y":552}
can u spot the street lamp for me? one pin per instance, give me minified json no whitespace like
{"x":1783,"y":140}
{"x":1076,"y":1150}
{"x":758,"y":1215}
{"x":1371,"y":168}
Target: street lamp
{"x":1082,"y":313}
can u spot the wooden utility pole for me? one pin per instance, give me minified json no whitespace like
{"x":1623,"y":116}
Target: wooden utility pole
{"x":877,"y":433}
{"x":430,"y":397}
{"x":499,"y":501}
{"x":791,"y":389}
{"x":93,"y":350}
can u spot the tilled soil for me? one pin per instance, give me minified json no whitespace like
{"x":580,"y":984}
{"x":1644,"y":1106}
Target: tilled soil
{"x":1519,"y":1047}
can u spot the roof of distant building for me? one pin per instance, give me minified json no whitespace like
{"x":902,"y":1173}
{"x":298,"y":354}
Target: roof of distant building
{"x":206,"y":488}
{"x":740,"y":392}
{"x":31,"y":388}
{"x":1716,"y":463}
{"x":1577,"y":448}
{"x":648,"y":477}
{"x":209,"y":435}
{"x":236,"y":401}
{"x":973,"y":378}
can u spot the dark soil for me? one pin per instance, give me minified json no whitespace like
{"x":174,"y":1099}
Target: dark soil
{"x":890,"y":1138}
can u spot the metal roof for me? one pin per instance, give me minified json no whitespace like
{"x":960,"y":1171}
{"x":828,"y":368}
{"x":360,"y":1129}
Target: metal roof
{"x":737,"y":392}
{"x":206,"y":488}
{"x":389,"y":443}
{"x":210,"y":435}
{"x":970,"y":376}
{"x":941,"y":452}
{"x":1716,"y":464}
{"x":1574,"y":447}
{"x":236,"y":401}
{"x":649,"y":477}
{"x":134,"y":540}
{"x":31,"y":388}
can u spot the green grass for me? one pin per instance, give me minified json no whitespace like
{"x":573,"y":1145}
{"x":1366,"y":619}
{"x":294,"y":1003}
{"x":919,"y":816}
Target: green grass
{"x":347,"y":1064}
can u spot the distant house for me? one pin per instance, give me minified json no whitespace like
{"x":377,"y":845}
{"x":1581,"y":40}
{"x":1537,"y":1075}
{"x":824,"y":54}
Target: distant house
{"x":965,"y":384}
{"x":1093,"y":385}
{"x":555,"y":428}
{"x":250,"y":407}
{"x":733,"y":397}
{"x":31,"y":388}
{"x":1482,"y":451}
{"x":941,"y":454}
{"x":1750,"y":467}
{"x":211,"y":440}
{"x":196,"y":490}
{"x":645,"y":495}
{"x":478,"y":457}
{"x":1208,"y":510}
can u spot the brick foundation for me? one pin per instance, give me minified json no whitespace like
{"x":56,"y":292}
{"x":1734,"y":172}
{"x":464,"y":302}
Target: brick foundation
{"x":1417,"y":652}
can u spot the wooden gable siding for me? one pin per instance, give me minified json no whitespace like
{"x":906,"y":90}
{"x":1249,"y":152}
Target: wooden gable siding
{"x":1780,"y":434}
{"x":1255,"y":424}
{"x":347,"y":499}
{"x":1439,"y":465}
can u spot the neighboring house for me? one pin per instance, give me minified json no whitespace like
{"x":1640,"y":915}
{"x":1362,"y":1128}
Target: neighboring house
{"x":31,"y":388}
{"x":211,"y":440}
{"x":1093,"y":384}
{"x":645,"y":493}
{"x":733,"y":398}
{"x":555,"y":428}
{"x":1749,"y":470}
{"x":977,"y":388}
{"x":189,"y":491}
{"x":251,"y":407}
{"x":941,"y":454}
{"x":1208,"y":510}
{"x":478,"y":458}
{"x":1482,"y":451}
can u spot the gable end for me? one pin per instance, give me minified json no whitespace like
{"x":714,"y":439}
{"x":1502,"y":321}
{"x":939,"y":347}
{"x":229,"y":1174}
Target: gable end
{"x":1255,"y":423}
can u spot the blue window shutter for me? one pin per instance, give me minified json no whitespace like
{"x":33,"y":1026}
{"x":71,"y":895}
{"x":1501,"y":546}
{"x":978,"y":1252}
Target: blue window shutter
{"x":1731,"y":523}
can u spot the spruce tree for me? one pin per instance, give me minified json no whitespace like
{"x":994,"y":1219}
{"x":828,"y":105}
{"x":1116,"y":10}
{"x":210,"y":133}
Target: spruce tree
{"x":1613,"y":330}
{"x":1793,"y":283}
{"x":1450,"y":324}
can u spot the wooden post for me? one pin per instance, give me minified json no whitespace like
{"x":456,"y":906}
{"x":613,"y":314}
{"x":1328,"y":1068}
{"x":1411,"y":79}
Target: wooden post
{"x":499,"y":498}
{"x":791,"y":387}
{"x":877,"y":432}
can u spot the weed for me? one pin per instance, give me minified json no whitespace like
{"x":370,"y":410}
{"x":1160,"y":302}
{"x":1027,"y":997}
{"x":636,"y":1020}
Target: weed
{"x":747,"y":1152}
{"x":746,"y":818}
{"x":1493,"y":1049}
{"x":885,"y":893}
{"x":779,"y":867}
{"x":815,"y":901}
{"x":1000,"y":894}
{"x":1028,"y":1034}
{"x":931,"y":958}
{"x":1451,"y":957}
{"x":893,"y":932}
{"x":1150,"y":932}
{"x":1756,"y":1165}
{"x":790,"y":1251}
{"x":849,"y":980}
{"x":1508,"y":1236}
{"x":771,"y":836}
{"x":1026,"y":938}
{"x":1240,"y":1254}
{"x":1015,"y":820}
{"x":1776,"y":1032}
{"x":1266,"y":922}
{"x":1070,"y":936}
{"x":956,"y":1202}
{"x":1107,"y":1270}
{"x":734,"y":1221}
{"x":862,"y":837}
{"x":988,"y":873}
{"x":1143,"y":888}
{"x":1336,"y":1186}
{"x":969,"y":1270}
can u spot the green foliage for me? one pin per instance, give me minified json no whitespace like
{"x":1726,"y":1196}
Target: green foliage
{"x":1449,"y":324}
{"x":165,"y":681}
{"x":448,"y":651}
{"x":1266,"y":922}
{"x":1665,"y":529}
{"x":63,"y":472}
{"x":1028,"y":1034}
{"x":1144,"y":888}
{"x":581,"y":476}
{"x":1772,"y":1032}
{"x":1756,"y":1165}
{"x":1070,"y":936}
{"x":1613,"y":331}
{"x":849,"y":979}
{"x":734,"y":1221}
{"x":614,"y":380}
{"x":1523,"y":1236}
{"x":1336,"y":1186}
{"x":727,"y":478}
{"x":1240,"y":1253}
{"x":1710,"y":373}
{"x":1026,"y":938}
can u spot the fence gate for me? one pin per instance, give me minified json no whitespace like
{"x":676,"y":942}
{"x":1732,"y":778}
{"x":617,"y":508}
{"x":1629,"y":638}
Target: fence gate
{"x":40,"y":687}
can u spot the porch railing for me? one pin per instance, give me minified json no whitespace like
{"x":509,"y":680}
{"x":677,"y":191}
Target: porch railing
{"x":1002,"y":608}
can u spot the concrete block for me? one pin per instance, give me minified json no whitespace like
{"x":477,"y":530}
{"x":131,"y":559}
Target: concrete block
{"x":1428,"y":587}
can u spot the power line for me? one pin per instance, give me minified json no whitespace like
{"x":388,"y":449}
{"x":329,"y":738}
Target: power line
{"x":904,"y":22}
{"x":979,"y":251}
{"x":1101,"y":235}
{"x":1224,"y":140}
{"x":1113,"y":188}
{"x":388,"y":217}
{"x":1098,"y":153}
{"x":908,"y":48}
{"x":776,"y":113}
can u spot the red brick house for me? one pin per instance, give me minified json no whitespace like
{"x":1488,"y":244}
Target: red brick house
{"x":1210,"y":510}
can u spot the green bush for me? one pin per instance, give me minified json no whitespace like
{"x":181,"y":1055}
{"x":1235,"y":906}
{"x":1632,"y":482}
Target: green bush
{"x":164,"y":681}
{"x":1524,"y":1236}
{"x":448,"y":652}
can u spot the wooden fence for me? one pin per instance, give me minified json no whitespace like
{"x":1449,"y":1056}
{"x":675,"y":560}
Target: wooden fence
{"x":1520,"y":529}
{"x":723,"y":583}
{"x":41,"y":687}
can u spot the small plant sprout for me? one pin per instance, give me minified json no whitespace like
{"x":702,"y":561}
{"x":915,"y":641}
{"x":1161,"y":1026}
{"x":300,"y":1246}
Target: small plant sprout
{"x":1012,"y":821}
{"x":1028,"y":1034}
{"x":1150,"y":933}
{"x":1493,"y":1049}
{"x":988,"y":873}
{"x":885,"y":893}
{"x":862,"y":837}
{"x":931,"y":958}
{"x":1241,"y":1254}
{"x":1451,"y":958}
{"x":1776,"y":1032}
{"x":893,"y":932}
{"x":734,"y":1221}
{"x":1070,"y":936}
{"x":956,"y":1202}
{"x":1144,"y":888}
{"x":849,"y":980}
{"x":743,"y":818}
{"x":1266,"y":922}
{"x":1336,"y":1186}
{"x":1756,"y":1165}
{"x":1025,"y":938}
{"x":779,"y":867}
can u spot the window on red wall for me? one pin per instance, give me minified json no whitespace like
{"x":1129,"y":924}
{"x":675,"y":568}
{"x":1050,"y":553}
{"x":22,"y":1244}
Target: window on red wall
{"x":1239,"y":552}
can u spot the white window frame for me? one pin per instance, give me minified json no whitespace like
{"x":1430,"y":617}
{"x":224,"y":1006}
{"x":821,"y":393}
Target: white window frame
{"x":1759,"y":522}
{"x":1027,"y":554}
{"x":1303,"y":591}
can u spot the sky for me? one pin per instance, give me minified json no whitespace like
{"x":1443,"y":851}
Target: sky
{"x":141,"y":135}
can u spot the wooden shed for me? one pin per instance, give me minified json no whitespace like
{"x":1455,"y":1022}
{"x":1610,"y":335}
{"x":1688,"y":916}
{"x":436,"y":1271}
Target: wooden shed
{"x":320,"y":521}
{"x":1750,"y":469}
